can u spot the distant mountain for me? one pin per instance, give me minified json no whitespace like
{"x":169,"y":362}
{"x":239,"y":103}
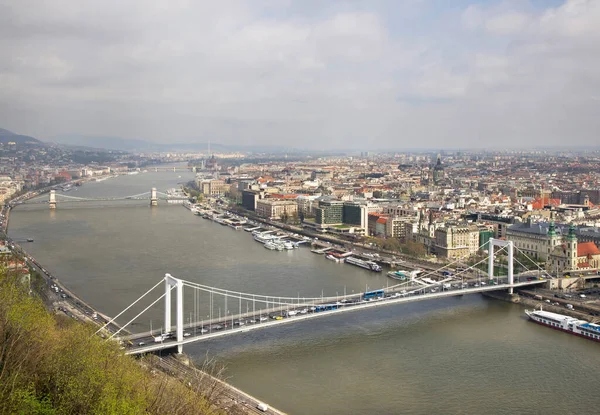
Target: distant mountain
{"x":8,"y":136}
{"x":126,"y":144}
{"x":109,"y":143}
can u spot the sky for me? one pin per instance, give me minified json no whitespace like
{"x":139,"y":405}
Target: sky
{"x":322,"y":75}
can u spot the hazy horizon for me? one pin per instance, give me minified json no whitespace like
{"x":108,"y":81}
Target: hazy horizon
{"x":355,"y":75}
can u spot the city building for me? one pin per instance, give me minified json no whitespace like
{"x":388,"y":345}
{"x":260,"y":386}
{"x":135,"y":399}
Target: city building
{"x":372,"y":221}
{"x":276,"y":209}
{"x":356,"y":214}
{"x":456,"y":241}
{"x":213,"y":187}
{"x":307,"y":204}
{"x":438,"y":172}
{"x":401,"y":227}
{"x":329,"y":212}
{"x":571,"y":256}
{"x":536,"y":240}
{"x":322,"y":175}
{"x":251,"y":197}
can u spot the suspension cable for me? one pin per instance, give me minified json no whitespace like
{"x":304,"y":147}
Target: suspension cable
{"x":128,"y":307}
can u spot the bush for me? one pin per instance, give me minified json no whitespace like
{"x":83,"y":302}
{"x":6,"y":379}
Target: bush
{"x":53,"y":366}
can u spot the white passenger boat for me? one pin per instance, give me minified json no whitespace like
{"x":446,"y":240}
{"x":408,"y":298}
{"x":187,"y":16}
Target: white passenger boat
{"x":565,"y":323}
{"x":270,"y":245}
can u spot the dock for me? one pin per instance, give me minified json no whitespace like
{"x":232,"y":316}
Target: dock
{"x":321,"y":251}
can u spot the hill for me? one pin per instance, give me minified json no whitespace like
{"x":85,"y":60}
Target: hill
{"x":8,"y":136}
{"x":127,"y":144}
{"x":54,"y":365}
{"x":103,"y":142}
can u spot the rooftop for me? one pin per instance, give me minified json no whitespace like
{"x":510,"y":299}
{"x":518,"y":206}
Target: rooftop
{"x":587,"y":248}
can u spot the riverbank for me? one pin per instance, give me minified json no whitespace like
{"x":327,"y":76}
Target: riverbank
{"x":533,"y":303}
{"x":59,"y":299}
{"x":230,"y":398}
{"x":382,"y":257}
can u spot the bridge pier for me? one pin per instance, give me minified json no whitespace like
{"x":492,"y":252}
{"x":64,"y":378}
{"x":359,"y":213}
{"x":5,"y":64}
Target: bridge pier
{"x":509,"y":244}
{"x":153,"y":197}
{"x":52,"y":201}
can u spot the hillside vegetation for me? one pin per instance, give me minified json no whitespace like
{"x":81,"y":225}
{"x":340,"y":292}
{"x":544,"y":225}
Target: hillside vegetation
{"x":53,"y":365}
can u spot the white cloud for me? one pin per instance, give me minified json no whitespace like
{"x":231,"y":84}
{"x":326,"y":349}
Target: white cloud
{"x":507,"y":23}
{"x":319,"y":74}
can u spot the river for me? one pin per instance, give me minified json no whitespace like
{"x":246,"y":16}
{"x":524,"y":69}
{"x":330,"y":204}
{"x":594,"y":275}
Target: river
{"x":468,"y":355}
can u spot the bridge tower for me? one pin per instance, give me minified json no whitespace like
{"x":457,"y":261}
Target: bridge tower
{"x":173,"y":169}
{"x":153,"y":198}
{"x":52,"y":201}
{"x":501,"y":243}
{"x":170,"y":282}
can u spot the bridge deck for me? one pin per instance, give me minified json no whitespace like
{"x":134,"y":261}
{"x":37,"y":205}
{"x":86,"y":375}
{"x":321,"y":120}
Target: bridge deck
{"x":347,"y":307}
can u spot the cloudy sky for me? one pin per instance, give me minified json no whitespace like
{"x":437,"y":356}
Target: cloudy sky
{"x":305,"y":73}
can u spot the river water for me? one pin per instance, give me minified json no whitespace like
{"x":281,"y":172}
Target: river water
{"x":469,"y":355}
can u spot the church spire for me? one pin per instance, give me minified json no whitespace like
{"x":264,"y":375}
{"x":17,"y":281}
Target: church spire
{"x":572,"y":236}
{"x":552,"y":229}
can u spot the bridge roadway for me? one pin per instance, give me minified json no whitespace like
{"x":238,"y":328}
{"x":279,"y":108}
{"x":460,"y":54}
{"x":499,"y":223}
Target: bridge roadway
{"x":147,"y":344}
{"x":73,"y":200}
{"x":100,"y":199}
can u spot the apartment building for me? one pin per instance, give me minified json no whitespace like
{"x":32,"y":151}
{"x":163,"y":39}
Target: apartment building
{"x":276,"y":209}
{"x":456,"y":241}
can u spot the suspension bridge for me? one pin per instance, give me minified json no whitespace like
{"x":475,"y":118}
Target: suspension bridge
{"x":252,"y":311}
{"x":153,"y":196}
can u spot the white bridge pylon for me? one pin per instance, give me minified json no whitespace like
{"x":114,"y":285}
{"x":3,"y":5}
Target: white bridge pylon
{"x":171,"y":282}
{"x":503,"y":244}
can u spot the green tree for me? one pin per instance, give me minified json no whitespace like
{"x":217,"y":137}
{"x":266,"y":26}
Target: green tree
{"x":295,"y":218}
{"x":414,"y":249}
{"x":54,"y":365}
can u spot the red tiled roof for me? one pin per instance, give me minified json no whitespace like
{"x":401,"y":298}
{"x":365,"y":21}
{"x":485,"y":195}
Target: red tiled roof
{"x":539,"y":203}
{"x":382,"y":220}
{"x":587,"y":248}
{"x":583,"y":265}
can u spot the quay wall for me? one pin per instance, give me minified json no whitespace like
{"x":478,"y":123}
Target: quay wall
{"x":533,"y":303}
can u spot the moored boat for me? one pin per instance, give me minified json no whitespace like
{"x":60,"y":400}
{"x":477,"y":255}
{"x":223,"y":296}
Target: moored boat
{"x":332,"y":258}
{"x":270,"y":245}
{"x":565,"y":323}
{"x":403,"y":275}
{"x":399,"y":275}
{"x":263,"y":236}
{"x":370,"y":265}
